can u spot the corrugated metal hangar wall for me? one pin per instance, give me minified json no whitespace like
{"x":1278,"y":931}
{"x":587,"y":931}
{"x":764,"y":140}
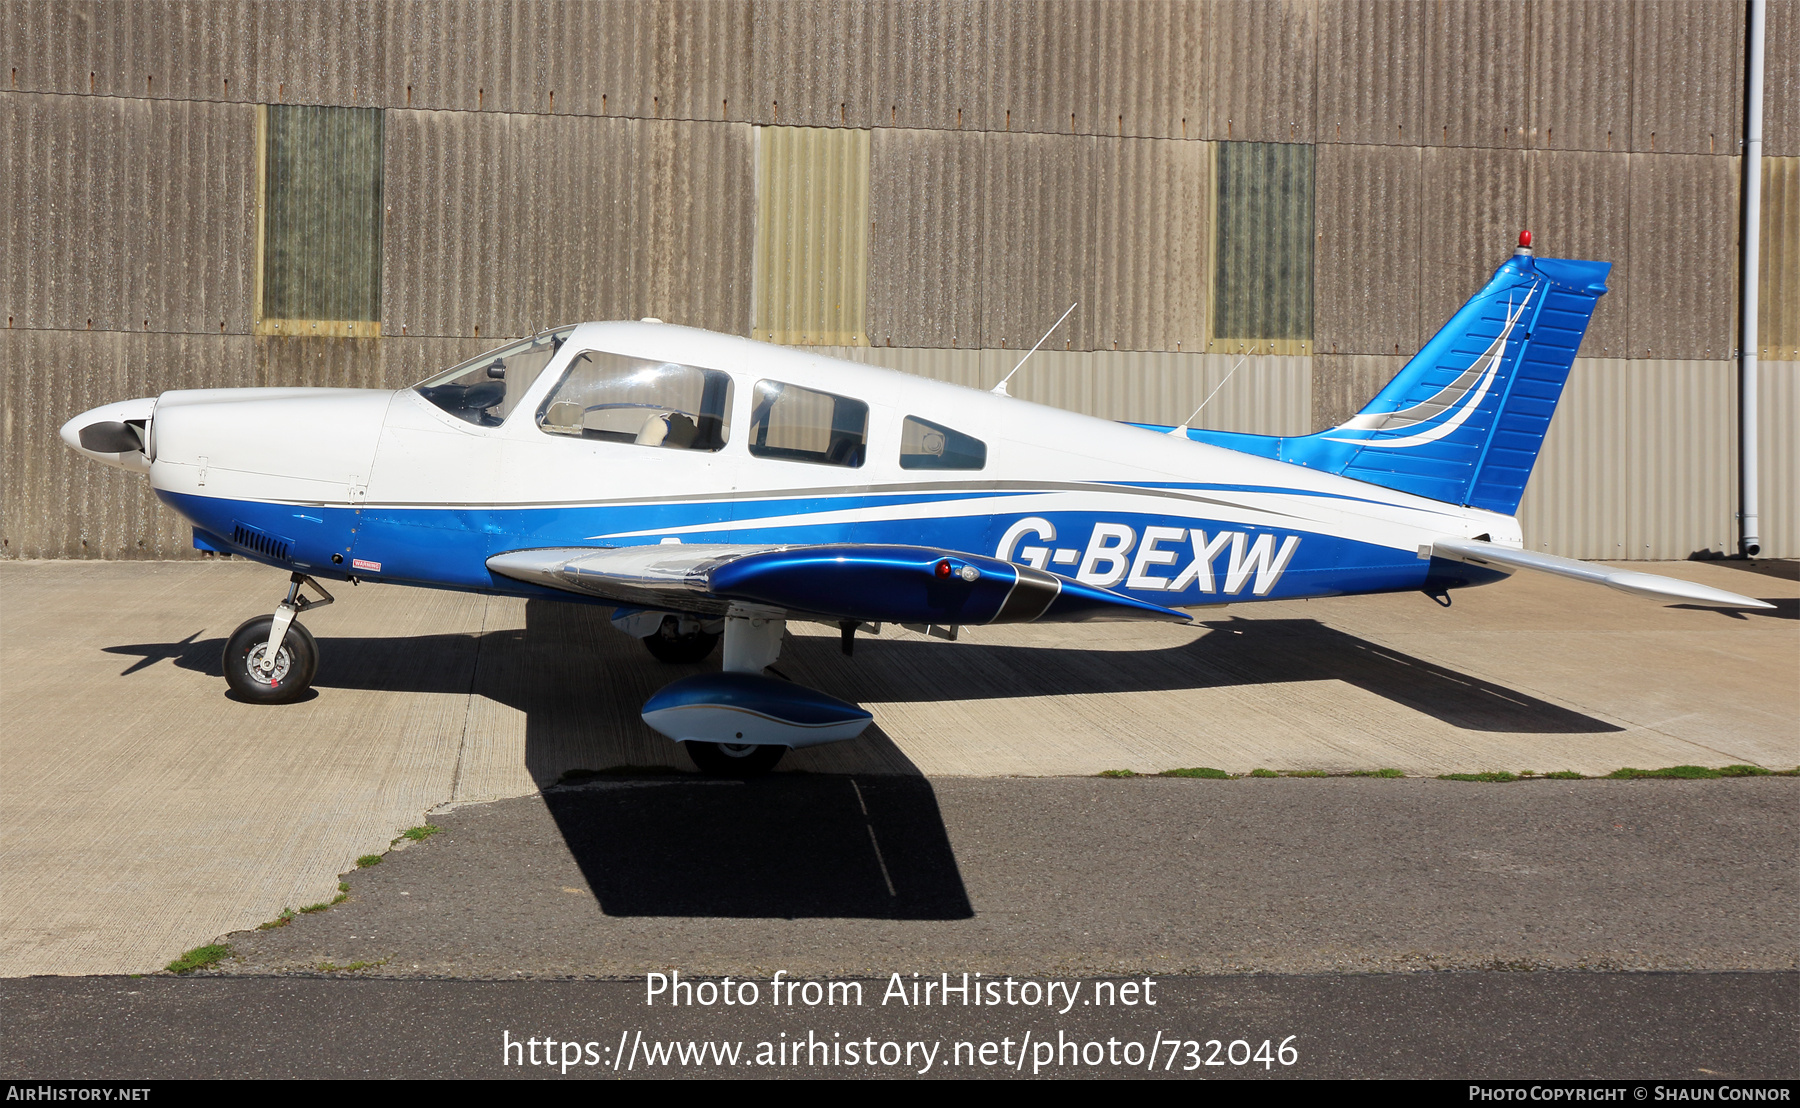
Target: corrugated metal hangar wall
{"x":353,"y":193}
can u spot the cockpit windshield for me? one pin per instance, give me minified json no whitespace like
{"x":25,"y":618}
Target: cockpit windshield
{"x":485,"y":389}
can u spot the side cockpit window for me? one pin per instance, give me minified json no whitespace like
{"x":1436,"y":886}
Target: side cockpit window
{"x":927,"y":445}
{"x":485,"y":389}
{"x":614,"y":398}
{"x":801,"y":425}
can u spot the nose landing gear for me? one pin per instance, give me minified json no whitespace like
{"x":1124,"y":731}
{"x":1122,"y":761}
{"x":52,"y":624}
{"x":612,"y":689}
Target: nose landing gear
{"x":272,"y":659}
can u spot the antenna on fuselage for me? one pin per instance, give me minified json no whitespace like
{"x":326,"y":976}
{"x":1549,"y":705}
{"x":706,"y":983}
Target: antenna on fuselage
{"x":1186,"y":423}
{"x":1000,"y":389}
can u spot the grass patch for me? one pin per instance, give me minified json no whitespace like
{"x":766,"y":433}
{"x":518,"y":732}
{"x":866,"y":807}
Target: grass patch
{"x":199,"y":958}
{"x":1116,"y":773}
{"x":1207,"y":772}
{"x":1377,"y":773}
{"x":1563,"y":775}
{"x":368,"y":860}
{"x":1744,"y":771}
{"x":1497,"y":775}
{"x":324,"y":904}
{"x":1306,"y":773}
{"x":1264,"y":773}
{"x":1682,"y":773}
{"x":419,"y":834}
{"x":343,"y":894}
{"x":286,"y":917}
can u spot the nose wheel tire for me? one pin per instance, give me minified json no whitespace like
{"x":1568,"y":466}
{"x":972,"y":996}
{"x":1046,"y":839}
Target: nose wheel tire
{"x":295,"y":663}
{"x":733,"y":759}
{"x":668,"y":644}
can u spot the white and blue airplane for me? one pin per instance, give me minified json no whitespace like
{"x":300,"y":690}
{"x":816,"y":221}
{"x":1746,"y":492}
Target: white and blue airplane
{"x":708,"y":486}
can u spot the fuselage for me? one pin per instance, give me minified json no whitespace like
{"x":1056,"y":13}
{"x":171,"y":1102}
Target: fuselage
{"x":390,"y":486}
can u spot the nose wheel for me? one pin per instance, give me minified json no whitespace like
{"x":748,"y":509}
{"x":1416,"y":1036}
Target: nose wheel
{"x":272,"y":659}
{"x":254,"y":676}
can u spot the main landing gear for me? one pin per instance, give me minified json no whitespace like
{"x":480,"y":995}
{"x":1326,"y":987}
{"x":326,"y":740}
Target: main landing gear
{"x":680,"y":642}
{"x":751,"y":645}
{"x":272,"y":659}
{"x":734,"y":759}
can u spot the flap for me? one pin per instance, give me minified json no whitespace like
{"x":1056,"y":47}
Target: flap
{"x":840,"y":581}
{"x":669,"y":576}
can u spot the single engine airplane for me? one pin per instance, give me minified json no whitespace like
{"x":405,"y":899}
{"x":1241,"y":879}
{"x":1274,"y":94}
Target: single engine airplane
{"x":708,"y":486}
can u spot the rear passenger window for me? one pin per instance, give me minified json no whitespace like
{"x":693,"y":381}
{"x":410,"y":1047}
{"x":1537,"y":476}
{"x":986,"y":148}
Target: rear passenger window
{"x":927,"y":445}
{"x":801,"y":425}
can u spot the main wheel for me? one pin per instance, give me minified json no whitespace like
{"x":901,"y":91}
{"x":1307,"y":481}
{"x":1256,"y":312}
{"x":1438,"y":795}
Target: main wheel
{"x":734,"y":759}
{"x":670,"y":645}
{"x":295,"y":664}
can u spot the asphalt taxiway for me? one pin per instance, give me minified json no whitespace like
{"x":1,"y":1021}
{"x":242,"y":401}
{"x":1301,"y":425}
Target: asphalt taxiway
{"x":1639,"y":1027}
{"x":832,"y":875}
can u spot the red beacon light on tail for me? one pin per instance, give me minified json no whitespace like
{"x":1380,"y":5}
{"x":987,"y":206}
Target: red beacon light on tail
{"x":1524,"y":244}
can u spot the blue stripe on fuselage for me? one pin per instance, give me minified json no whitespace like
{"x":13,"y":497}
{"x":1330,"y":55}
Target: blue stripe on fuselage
{"x":449,"y":547}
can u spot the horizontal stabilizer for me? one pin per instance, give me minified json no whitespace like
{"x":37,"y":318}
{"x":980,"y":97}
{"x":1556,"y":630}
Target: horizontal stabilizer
{"x":1655,"y":586}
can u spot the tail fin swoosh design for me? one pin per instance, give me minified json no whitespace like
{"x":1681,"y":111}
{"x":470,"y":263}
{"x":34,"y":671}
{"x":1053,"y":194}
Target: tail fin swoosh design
{"x":1464,"y":420}
{"x":1455,"y":398}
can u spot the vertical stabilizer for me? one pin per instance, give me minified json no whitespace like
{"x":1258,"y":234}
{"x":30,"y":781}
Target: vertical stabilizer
{"x":1464,"y":420}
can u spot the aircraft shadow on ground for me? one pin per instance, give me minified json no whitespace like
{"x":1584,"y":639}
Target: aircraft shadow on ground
{"x":1234,"y":652}
{"x":784,"y":846}
{"x":862,"y":835}
{"x":1786,"y":607}
{"x":654,"y":840}
{"x":568,"y":668}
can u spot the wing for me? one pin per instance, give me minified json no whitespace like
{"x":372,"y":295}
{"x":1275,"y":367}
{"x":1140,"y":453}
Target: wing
{"x":897,"y":584}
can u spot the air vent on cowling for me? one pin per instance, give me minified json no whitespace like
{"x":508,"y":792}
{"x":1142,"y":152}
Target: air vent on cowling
{"x":260,"y":542}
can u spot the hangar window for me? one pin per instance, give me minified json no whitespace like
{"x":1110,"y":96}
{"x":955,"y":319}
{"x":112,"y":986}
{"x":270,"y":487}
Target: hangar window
{"x":802,"y":425}
{"x":1263,"y":273}
{"x":485,"y":389}
{"x":319,"y":240}
{"x":644,"y":402}
{"x":927,"y":445}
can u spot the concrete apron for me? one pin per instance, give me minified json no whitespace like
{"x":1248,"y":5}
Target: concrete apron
{"x":142,"y":812}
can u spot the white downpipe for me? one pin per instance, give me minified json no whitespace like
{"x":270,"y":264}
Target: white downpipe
{"x":1749,"y":542}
